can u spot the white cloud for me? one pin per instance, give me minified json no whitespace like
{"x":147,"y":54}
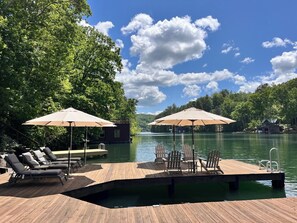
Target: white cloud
{"x":286,"y":63}
{"x":277,"y":42}
{"x":119,"y":43}
{"x":191,"y":91}
{"x":162,"y":45}
{"x":167,"y":42}
{"x":247,"y":60}
{"x":84,"y":23}
{"x":193,"y":78}
{"x":222,"y":75}
{"x":239,"y":80}
{"x":150,"y":113}
{"x":140,"y":21}
{"x":146,"y":95}
{"x":250,"y":86}
{"x":208,"y":22}
{"x":104,"y":27}
{"x":212,"y":86}
{"x":228,"y":48}
{"x":144,"y":84}
{"x":284,"y":68}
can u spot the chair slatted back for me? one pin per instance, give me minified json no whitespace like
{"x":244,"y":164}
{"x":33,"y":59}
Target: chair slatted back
{"x":213,"y":159}
{"x":188,"y":153}
{"x":174,"y":160}
{"x":160,"y":151}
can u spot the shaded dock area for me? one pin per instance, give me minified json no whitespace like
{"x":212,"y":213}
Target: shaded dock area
{"x":45,"y":201}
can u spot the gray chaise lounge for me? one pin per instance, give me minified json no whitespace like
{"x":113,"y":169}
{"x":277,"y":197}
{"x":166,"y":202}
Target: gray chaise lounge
{"x":29,"y":160}
{"x":54,"y":158}
{"x":22,"y":173}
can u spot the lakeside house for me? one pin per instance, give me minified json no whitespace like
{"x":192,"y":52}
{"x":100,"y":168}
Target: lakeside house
{"x":270,"y":126}
{"x":118,"y":134}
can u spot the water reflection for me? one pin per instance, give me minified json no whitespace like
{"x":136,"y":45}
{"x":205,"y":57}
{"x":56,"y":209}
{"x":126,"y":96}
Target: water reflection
{"x":232,"y":146}
{"x":184,"y":193}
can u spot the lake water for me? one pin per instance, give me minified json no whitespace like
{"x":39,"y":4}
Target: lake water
{"x":246,"y":147}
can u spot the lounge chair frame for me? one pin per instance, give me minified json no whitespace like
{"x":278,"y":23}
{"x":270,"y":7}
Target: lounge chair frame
{"x":21,"y":173}
{"x":48,"y":152}
{"x":29,"y":160}
{"x":40,"y":157}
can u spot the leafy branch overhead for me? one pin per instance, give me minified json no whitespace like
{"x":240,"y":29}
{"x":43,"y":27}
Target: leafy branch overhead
{"x":48,"y":62}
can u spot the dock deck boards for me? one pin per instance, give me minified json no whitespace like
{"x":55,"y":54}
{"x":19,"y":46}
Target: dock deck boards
{"x":43,"y":202}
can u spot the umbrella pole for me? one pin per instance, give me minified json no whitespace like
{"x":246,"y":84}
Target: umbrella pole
{"x":69,"y":148}
{"x":193,"y":147}
{"x":86,"y":146}
{"x":173,"y":131}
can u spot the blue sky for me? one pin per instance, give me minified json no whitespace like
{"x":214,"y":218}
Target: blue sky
{"x":175,"y":51}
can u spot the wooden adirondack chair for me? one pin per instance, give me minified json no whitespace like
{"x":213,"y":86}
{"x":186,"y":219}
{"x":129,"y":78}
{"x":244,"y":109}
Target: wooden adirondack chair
{"x":173,"y":162}
{"x":160,"y":153}
{"x":188,"y":158}
{"x":188,"y":153}
{"x":211,"y":164}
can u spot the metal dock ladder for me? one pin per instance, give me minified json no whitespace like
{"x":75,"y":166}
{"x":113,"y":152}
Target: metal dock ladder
{"x":271,"y":165}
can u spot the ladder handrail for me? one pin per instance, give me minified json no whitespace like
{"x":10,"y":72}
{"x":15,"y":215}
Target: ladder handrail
{"x":273,"y":161}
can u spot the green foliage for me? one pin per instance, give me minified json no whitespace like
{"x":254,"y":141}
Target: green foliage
{"x":49,"y":62}
{"x":143,"y":121}
{"x":248,"y":109}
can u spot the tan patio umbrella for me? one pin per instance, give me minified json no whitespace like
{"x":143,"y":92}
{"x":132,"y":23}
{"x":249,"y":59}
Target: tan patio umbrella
{"x":193,"y":117}
{"x":70,"y":117}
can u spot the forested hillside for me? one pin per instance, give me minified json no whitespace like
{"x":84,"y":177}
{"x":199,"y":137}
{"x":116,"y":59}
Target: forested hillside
{"x":248,"y":109}
{"x":143,"y":120}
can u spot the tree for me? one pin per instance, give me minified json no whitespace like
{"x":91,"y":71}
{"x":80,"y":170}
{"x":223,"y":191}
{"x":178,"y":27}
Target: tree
{"x":49,"y":62}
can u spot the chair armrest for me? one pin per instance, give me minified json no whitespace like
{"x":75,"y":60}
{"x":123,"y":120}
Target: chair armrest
{"x":202,"y":158}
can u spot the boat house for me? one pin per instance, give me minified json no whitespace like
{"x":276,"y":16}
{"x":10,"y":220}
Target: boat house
{"x":118,"y":134}
{"x":270,"y":126}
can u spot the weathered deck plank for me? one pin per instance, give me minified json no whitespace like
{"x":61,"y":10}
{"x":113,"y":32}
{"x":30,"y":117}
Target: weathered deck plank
{"x":43,"y":201}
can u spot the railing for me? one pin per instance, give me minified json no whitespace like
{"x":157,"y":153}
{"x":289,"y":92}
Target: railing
{"x":271,"y":165}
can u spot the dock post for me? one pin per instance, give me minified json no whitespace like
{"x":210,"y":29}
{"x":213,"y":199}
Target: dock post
{"x":279,"y":184}
{"x":171,"y":188}
{"x":234,"y":185}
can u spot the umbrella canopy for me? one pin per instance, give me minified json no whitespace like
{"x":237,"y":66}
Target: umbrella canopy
{"x":192,"y":117}
{"x":70,"y":117}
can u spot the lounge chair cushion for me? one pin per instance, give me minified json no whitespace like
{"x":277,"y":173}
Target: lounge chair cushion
{"x":53,"y":157}
{"x":15,"y":163}
{"x":49,"y":153}
{"x":22,"y":173}
{"x":30,"y":159}
{"x":39,"y":156}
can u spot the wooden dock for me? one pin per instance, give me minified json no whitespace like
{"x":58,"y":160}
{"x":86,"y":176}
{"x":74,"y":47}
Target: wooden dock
{"x":80,"y":152}
{"x":44,"y":202}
